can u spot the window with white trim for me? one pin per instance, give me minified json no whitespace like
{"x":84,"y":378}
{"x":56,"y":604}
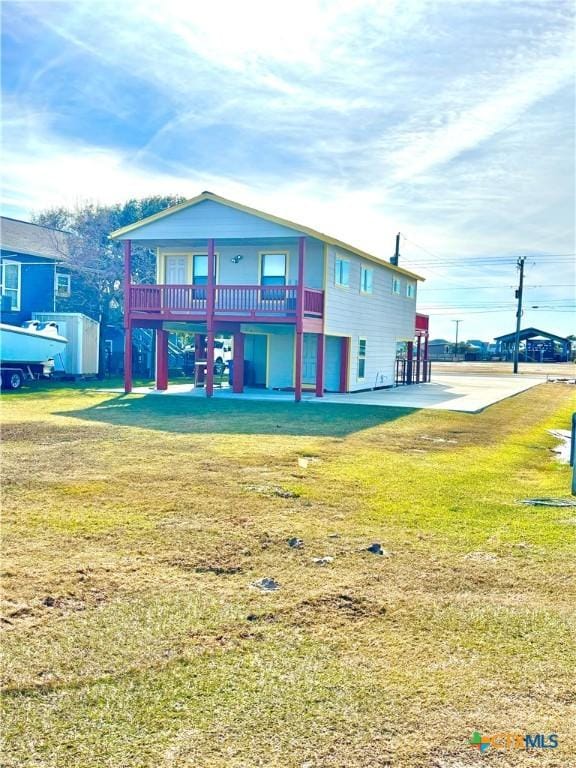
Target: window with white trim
{"x":366,"y":279}
{"x":342,"y":272}
{"x":396,"y":286}
{"x":200,"y":269}
{"x":411,"y":290}
{"x":361,"y":358}
{"x":11,"y":283}
{"x":62,"y":285}
{"x":273,"y":269}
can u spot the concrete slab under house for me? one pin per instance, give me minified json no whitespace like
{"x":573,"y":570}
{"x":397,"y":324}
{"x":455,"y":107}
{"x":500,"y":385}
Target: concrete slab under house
{"x":303,"y":310}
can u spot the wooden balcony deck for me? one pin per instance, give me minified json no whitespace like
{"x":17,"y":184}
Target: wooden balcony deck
{"x":278,"y":303}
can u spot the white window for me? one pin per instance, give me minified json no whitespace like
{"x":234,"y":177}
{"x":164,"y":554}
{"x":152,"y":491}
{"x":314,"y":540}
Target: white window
{"x":366,"y":279}
{"x":361,"y":358}
{"x":273,"y":269}
{"x":410,"y":290}
{"x":342,"y":272}
{"x":11,"y":283}
{"x":200,"y":269}
{"x":62,"y":285}
{"x":396,"y":287}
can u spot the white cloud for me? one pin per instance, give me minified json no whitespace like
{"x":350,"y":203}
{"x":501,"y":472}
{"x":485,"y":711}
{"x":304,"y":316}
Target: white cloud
{"x":357,"y":117}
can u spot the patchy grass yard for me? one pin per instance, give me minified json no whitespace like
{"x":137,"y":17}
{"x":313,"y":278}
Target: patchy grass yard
{"x":134,"y":527}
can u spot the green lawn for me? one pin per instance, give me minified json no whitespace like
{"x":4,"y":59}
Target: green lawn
{"x":134,"y":526}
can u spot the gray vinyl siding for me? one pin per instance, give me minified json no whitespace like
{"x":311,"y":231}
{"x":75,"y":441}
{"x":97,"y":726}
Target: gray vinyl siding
{"x":382,"y":318}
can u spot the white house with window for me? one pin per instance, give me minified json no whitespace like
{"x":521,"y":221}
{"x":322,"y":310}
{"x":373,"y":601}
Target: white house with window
{"x":302,"y":310}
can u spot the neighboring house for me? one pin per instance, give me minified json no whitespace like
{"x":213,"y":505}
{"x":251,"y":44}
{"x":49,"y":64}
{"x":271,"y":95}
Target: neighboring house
{"x":37,"y":285}
{"x":536,"y":346}
{"x":440,"y":349}
{"x":32,"y":270}
{"x":303,"y":309}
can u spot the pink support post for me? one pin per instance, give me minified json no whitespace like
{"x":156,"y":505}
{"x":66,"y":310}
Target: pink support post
{"x":418,"y":358}
{"x":210,"y":321}
{"x":299,"y":319}
{"x":320,"y":365}
{"x":127,"y":319}
{"x":128,"y":358}
{"x":238,"y":368}
{"x":210,"y":364}
{"x":161,"y":359}
{"x":409,"y":361}
{"x":344,"y":363}
{"x":298,"y":368}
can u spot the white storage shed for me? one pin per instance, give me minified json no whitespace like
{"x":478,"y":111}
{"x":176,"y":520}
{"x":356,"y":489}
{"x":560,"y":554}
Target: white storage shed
{"x":80,"y":357}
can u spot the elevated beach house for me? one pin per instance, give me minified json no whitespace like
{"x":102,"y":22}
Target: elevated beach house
{"x":302,"y":310}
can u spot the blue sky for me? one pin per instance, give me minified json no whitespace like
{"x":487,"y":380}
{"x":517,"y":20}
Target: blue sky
{"x":450,"y":121}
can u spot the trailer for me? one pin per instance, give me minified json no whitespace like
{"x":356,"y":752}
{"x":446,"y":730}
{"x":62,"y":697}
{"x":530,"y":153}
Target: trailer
{"x":27,"y":352}
{"x":14,"y":374}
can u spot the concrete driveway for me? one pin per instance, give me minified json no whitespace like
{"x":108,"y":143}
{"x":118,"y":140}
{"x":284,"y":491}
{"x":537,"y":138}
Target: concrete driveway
{"x":449,"y":392}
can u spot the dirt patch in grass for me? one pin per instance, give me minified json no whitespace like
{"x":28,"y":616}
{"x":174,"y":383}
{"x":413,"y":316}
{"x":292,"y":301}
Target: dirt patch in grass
{"x":41,"y":433}
{"x":336,"y":606}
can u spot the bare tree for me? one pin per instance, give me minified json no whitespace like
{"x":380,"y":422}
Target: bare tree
{"x":97,"y":263}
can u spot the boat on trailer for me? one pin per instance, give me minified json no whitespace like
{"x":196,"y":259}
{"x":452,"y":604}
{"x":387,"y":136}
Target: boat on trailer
{"x":28,"y":351}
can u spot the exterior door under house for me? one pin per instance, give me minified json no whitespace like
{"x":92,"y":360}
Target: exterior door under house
{"x":333,"y":363}
{"x":269,"y":285}
{"x":309,"y":358}
{"x":256,"y":351}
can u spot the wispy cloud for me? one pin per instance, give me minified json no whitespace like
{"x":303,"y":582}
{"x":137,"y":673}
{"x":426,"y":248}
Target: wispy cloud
{"x":450,"y":121}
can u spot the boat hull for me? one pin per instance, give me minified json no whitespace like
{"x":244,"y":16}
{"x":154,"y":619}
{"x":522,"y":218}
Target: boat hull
{"x":29,"y":345}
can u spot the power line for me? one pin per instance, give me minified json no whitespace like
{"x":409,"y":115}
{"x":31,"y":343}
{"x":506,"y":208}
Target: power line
{"x":496,"y":287}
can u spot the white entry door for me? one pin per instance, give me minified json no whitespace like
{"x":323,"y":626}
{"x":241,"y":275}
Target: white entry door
{"x":309,"y":359}
{"x":176,"y":270}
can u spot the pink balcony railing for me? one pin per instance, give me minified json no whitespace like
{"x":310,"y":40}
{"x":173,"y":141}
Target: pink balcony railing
{"x":229,"y":300}
{"x":255,"y":299}
{"x":313,"y":302}
{"x":168,"y":298}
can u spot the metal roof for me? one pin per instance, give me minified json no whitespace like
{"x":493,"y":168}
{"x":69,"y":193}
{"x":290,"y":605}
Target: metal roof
{"x":25,"y":238}
{"x":530,"y":333}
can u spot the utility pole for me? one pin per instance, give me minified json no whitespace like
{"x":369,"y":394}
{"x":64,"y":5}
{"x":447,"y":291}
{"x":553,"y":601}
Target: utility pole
{"x":456,"y":344}
{"x":519,"y":291}
{"x":395,"y":259}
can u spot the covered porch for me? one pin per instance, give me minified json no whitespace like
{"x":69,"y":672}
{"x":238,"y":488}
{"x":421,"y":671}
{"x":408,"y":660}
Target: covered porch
{"x":246,"y":356}
{"x":213,"y":308}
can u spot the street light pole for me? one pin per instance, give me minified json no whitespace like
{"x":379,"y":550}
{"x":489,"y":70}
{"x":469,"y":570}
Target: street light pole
{"x":456,"y":344}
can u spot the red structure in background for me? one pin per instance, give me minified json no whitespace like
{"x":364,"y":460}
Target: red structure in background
{"x":415,"y":369}
{"x":421,"y":331}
